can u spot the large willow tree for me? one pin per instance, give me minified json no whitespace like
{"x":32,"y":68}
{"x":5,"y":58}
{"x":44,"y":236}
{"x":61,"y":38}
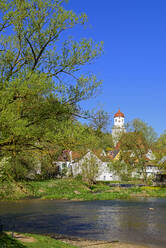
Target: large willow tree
{"x":41,"y":79}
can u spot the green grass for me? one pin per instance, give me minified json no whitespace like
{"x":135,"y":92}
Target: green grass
{"x":78,"y":190}
{"x":6,"y":241}
{"x":73,"y":189}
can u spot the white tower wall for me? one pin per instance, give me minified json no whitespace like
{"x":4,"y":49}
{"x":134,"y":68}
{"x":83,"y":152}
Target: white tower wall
{"x":119,"y":122}
{"x":118,"y":127}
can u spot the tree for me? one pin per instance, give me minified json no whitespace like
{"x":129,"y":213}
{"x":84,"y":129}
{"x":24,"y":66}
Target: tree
{"x":133,"y":150}
{"x":90,"y":168}
{"x":41,"y":78}
{"x":106,"y":141}
{"x":100,"y":121}
{"x":160,"y":144}
{"x":160,"y":151}
{"x":41,"y":82}
{"x":121,"y":169}
{"x":135,"y":145}
{"x":98,"y":124}
{"x":147,"y":131}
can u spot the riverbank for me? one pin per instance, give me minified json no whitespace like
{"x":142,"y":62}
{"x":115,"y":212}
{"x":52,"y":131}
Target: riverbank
{"x":41,"y":241}
{"x":104,"y":244}
{"x":73,"y":189}
{"x":84,"y":243}
{"x":31,"y":241}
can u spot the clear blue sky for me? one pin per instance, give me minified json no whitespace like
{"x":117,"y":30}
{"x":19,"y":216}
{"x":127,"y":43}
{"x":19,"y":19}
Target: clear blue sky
{"x":133,"y":66}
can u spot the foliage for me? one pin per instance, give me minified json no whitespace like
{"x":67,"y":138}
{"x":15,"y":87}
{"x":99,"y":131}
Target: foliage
{"x":134,"y":147}
{"x":49,"y":168}
{"x":133,"y":150}
{"x":100,"y":121}
{"x":41,"y":78}
{"x":8,"y":242}
{"x":72,"y":135}
{"x":121,"y":169}
{"x":161,"y":142}
{"x":5,"y":169}
{"x":40,"y":241}
{"x":106,"y":141}
{"x":37,"y":77}
{"x":147,"y":131}
{"x":6,"y":178}
{"x":80,"y":137}
{"x":89,"y":168}
{"x":160,"y":151}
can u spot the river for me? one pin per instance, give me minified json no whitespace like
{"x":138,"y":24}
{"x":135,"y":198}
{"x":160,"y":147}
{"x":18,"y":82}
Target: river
{"x":140,"y":221}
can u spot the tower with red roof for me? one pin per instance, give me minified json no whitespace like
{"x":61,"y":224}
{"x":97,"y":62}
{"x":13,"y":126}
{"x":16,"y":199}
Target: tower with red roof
{"x":118,"y":127}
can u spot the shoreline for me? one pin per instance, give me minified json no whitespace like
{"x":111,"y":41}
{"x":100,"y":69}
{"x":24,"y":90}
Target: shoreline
{"x":135,"y":198}
{"x":79,"y":242}
{"x":86,"y":243}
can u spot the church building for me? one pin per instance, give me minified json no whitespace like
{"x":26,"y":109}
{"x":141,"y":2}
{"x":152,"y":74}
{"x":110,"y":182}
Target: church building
{"x":118,"y":127}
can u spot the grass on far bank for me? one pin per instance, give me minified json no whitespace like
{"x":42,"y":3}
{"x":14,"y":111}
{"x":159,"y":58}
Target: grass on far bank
{"x":31,"y":241}
{"x":74,"y":189}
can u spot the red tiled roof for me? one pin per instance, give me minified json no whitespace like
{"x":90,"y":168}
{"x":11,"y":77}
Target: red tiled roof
{"x":119,"y":114}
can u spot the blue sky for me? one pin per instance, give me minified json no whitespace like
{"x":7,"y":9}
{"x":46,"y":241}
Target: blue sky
{"x":133,"y":66}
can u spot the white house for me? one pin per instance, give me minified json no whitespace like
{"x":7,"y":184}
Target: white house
{"x":76,"y":166}
{"x":103,"y":173}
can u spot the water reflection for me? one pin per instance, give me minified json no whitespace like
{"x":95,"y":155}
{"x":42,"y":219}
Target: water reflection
{"x":142,"y":221}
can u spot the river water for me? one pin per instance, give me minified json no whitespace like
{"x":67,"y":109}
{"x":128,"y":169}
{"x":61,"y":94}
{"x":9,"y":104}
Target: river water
{"x":140,"y":221}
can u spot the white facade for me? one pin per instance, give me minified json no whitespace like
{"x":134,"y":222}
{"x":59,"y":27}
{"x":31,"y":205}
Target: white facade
{"x":119,"y":122}
{"x":151,"y":172}
{"x":118,"y":127}
{"x":104,"y":172}
{"x":150,"y":155}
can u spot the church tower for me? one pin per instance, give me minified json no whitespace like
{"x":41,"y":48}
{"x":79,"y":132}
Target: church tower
{"x":118,"y":127}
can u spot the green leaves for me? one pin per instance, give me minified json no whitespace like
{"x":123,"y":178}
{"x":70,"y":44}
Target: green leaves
{"x":146,"y":130}
{"x":34,"y":44}
{"x":41,"y":78}
{"x":26,"y":107}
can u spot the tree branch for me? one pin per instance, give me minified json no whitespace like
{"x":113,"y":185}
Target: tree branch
{"x":33,"y":52}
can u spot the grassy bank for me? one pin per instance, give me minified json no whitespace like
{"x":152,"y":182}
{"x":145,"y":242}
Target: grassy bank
{"x":39,"y":241}
{"x":72,"y":189}
{"x":31,"y":241}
